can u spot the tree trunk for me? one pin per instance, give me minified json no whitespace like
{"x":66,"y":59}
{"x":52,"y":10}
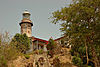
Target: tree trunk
{"x":96,"y":61}
{"x":86,"y":52}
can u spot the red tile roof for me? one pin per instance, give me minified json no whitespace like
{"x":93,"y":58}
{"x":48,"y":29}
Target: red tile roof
{"x":34,"y":39}
{"x":45,"y":41}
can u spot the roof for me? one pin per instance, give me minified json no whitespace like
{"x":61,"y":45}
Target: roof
{"x":26,"y":12}
{"x":34,"y":39}
{"x":45,"y":41}
{"x":26,"y":21}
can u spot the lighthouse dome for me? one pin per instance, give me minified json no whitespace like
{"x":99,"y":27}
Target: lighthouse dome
{"x":26,"y":12}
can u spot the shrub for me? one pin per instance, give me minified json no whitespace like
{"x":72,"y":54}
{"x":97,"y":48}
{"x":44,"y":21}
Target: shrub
{"x":51,"y":45}
{"x":72,"y":52}
{"x":40,"y":51}
{"x":3,"y":62}
{"x":48,"y":52}
{"x":89,"y":66}
{"x":77,"y":61}
{"x":8,"y":51}
{"x":26,"y":56}
{"x":57,"y":57}
{"x":22,"y":42}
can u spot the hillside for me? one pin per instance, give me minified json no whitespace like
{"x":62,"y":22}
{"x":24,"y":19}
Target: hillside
{"x":43,"y":60}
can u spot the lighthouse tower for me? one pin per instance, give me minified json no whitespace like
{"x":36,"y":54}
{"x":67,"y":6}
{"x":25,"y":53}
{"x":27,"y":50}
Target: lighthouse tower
{"x":26,"y":24}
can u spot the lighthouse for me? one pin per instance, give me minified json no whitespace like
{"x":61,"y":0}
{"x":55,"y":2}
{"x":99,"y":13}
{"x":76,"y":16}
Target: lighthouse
{"x":26,"y":24}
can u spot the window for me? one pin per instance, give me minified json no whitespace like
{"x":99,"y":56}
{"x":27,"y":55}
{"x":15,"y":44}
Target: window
{"x":29,"y":25}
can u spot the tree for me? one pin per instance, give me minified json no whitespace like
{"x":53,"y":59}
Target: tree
{"x":7,"y":50}
{"x":22,"y":42}
{"x":50,"y":46}
{"x":81,"y":22}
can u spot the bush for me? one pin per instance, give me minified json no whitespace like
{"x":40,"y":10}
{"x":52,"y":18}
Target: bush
{"x":3,"y":62}
{"x":89,"y":66}
{"x":26,"y":56}
{"x":51,"y":45}
{"x":48,"y":52}
{"x":40,"y":51}
{"x":8,"y":51}
{"x":72,"y":52}
{"x":22,"y":42}
{"x":77,"y":61}
{"x":57,"y":57}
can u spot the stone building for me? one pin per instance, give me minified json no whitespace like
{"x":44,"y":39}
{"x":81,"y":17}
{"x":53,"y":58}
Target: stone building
{"x":26,"y":24}
{"x":39,"y":43}
{"x":36,"y":43}
{"x":26,"y":27}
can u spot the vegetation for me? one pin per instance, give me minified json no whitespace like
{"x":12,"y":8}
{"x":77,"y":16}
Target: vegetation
{"x":77,"y":61}
{"x":50,"y":46}
{"x":11,"y":49}
{"x":8,"y":52}
{"x":41,"y":51}
{"x":27,"y":56}
{"x":22,"y":42}
{"x":80,"y":23}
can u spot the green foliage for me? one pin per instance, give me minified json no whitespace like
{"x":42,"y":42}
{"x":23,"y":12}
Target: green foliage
{"x":77,"y":61}
{"x":26,"y":56}
{"x":22,"y":42}
{"x":3,"y":62}
{"x":62,"y":41}
{"x":72,"y":52}
{"x":41,"y":51}
{"x":48,"y":52}
{"x":51,"y":45}
{"x":0,"y":41}
{"x":56,"y":56}
{"x":80,"y":21}
{"x":89,"y":66}
{"x":8,"y":51}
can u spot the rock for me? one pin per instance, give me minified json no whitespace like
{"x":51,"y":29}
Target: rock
{"x":29,"y":65}
{"x":22,"y":62}
{"x":56,"y":62}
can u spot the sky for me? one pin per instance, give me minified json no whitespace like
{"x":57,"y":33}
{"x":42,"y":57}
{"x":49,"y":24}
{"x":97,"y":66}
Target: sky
{"x":11,"y":15}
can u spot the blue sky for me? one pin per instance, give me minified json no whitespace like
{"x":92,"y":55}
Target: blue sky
{"x":11,"y":15}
